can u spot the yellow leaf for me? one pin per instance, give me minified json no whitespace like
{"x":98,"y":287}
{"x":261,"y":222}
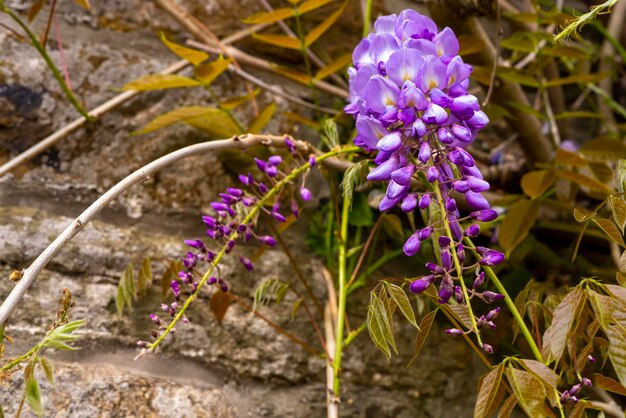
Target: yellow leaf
{"x":264,"y":117}
{"x":519,"y":219}
{"x":279,"y":40}
{"x":192,"y":55}
{"x":569,"y":158}
{"x":218,"y":124}
{"x":209,"y":71}
{"x":583,"y":180}
{"x":604,"y":149}
{"x":160,"y":81}
{"x":469,"y":45}
{"x":303,"y":120}
{"x":192,"y":115}
{"x":324,"y":26}
{"x":310,"y":5}
{"x":292,"y":74}
{"x":582,"y":215}
{"x":35,"y":9}
{"x":334,"y":66}
{"x":84,"y":3}
{"x":578,"y":78}
{"x":535,"y":183}
{"x":270,"y":17}
{"x":611,"y":230}
{"x":230,"y":104}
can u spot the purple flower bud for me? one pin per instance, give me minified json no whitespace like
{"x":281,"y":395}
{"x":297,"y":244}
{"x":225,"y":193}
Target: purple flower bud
{"x":492,"y":314}
{"x":586,"y":382}
{"x":305,"y":194}
{"x":390,"y":143}
{"x":228,"y":198}
{"x":468,"y":160}
{"x":460,"y":253}
{"x":487,"y":348}
{"x":175,"y":288}
{"x":454,"y":332}
{"x":386,"y":203}
{"x":268,"y":240}
{"x":403,"y":175}
{"x":445,"y":291}
{"x":295,"y":209}
{"x":155,"y":319}
{"x":195,"y":243}
{"x":262,"y":188}
{"x":489,"y":257}
{"x":460,"y":186}
{"x":461,"y":133}
{"x":210,"y":221}
{"x":271,"y":171}
{"x":458,"y":294}
{"x":424,"y":201}
{"x":412,"y":245}
{"x":409,"y":203}
{"x":479,"y":280}
{"x":424,"y":153}
{"x":418,"y":129}
{"x":419,"y":285}
{"x":446,"y":259}
{"x":279,"y":217}
{"x":591,"y":359}
{"x":246,"y":179}
{"x":185,"y":320}
{"x":395,"y":190}
{"x":444,"y":241}
{"x":490,"y":296}
{"x":434,"y":267}
{"x":432,"y":174}
{"x":246,"y":263}
{"x":383,"y":171}
{"x":477,"y":185}
{"x":219,"y":206}
{"x":262,"y":165}
{"x":478,"y":121}
{"x":165,"y":307}
{"x":472,"y":230}
{"x":575,"y":389}
{"x":476,"y":201}
{"x":229,"y":246}
{"x":485,"y":215}
{"x":275,"y":160}
{"x":248,"y":201}
{"x":312,"y":161}
{"x":424,"y":234}
{"x":290,"y":145}
{"x":450,"y":205}
{"x":212,"y":280}
{"x":456,"y":157}
{"x":455,"y":228}
{"x":444,"y":136}
{"x":234,"y":191}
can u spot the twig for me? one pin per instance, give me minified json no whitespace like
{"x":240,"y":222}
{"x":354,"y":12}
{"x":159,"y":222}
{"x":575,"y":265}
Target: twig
{"x":44,"y":39}
{"x":316,"y":60}
{"x":370,"y":238}
{"x":332,"y":403}
{"x":57,"y":34}
{"x":102,"y":109}
{"x":237,"y":142}
{"x":268,"y":66}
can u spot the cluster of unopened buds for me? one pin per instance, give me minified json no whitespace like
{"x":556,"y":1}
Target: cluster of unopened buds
{"x":571,"y":395}
{"x":408,"y":94}
{"x":229,"y":225}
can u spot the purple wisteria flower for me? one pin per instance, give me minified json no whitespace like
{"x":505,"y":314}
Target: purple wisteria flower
{"x":408,"y":94}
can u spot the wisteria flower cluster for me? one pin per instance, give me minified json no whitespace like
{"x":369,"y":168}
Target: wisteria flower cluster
{"x":234,"y":221}
{"x":408,"y":94}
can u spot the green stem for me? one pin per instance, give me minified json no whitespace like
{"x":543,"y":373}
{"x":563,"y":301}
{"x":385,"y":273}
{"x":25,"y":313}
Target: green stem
{"x":341,"y":308}
{"x":44,"y":54}
{"x":457,"y":264}
{"x":367,"y":17}
{"x":249,"y":217}
{"x":352,"y":336}
{"x":21,"y":358}
{"x":511,"y":305}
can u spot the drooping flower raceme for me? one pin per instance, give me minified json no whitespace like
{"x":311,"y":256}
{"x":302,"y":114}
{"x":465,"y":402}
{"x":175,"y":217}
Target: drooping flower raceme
{"x":408,"y":94}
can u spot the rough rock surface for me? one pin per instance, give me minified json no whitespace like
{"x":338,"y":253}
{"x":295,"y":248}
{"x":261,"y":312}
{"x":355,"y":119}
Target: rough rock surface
{"x":240,"y":367}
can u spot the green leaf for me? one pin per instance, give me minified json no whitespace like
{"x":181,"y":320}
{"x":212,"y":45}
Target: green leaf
{"x":608,"y":384}
{"x":381,"y":312}
{"x":520,"y":218}
{"x":564,"y":319}
{"x":282,"y":41}
{"x":402,"y":302}
{"x":578,"y":114}
{"x":604,"y":150}
{"x":219,"y":303}
{"x":376,"y":333}
{"x":32,"y":395}
{"x":192,"y":55}
{"x":529,"y":391}
{"x":354,"y":176}
{"x":330,"y":134}
{"x":126,"y":290}
{"x":535,"y":183}
{"x":578,"y":78}
{"x":161,"y":81}
{"x":270,"y":17}
{"x":311,"y":5}
{"x":144,"y":278}
{"x":170,"y":273}
{"x":618,"y":207}
{"x":270,"y":290}
{"x":361,"y":214}
{"x":319,"y":30}
{"x":515,"y":76}
{"x":487,"y":392}
{"x":336,"y":65}
{"x":48,"y":370}
{"x":424,"y":328}
{"x":209,"y":71}
{"x":264,"y":117}
{"x":295,"y":307}
{"x":611,"y":230}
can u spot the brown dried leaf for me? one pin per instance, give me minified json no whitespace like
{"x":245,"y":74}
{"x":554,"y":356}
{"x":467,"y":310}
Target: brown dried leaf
{"x":488,"y":388}
{"x":220,"y":301}
{"x":425,"y":325}
{"x":564,"y":318}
